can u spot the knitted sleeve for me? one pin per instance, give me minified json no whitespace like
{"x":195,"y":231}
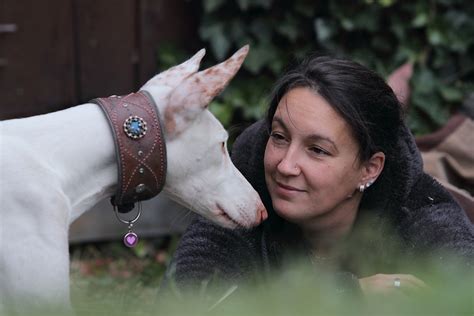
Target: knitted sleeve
{"x":434,"y":221}
{"x":211,"y":253}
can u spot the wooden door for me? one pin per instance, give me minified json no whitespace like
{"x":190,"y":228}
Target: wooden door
{"x":59,"y":53}
{"x":37,"y":72}
{"x":107,"y":47}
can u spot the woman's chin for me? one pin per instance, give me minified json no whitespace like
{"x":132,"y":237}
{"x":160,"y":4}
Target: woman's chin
{"x":295,"y":213}
{"x":289,"y":212}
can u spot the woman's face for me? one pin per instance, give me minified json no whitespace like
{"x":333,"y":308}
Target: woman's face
{"x":311,"y":162}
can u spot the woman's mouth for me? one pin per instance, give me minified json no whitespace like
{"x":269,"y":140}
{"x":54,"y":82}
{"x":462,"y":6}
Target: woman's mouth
{"x":287,"y":190}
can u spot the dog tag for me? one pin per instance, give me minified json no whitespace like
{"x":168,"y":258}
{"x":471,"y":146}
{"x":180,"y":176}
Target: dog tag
{"x":130,"y":239}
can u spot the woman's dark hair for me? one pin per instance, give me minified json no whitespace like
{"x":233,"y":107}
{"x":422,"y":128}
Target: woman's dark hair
{"x":359,"y":95}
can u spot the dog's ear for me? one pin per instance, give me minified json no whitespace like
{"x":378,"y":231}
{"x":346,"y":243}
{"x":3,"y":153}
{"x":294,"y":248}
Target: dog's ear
{"x":195,"y":93}
{"x":172,"y":77}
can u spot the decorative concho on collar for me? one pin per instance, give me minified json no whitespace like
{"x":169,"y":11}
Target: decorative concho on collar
{"x":135,"y":127}
{"x":140,"y":150}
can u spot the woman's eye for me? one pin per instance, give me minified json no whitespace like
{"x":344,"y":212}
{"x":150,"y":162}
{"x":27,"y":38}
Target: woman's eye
{"x":319,"y":151}
{"x":277,"y":137}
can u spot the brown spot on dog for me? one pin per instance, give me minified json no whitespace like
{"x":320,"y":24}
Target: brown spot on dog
{"x":170,"y":122}
{"x":211,"y":71}
{"x":216,"y":91}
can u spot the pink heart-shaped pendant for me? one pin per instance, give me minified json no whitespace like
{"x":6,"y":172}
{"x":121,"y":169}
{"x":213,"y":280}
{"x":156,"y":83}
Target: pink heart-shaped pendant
{"x":130,"y":239}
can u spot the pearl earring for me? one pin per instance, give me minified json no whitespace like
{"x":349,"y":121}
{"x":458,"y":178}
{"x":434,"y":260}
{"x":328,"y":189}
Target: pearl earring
{"x":362,"y":187}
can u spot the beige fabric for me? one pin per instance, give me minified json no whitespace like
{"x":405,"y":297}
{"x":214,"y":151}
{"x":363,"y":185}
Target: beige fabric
{"x":452,"y":164}
{"x":453,"y":159}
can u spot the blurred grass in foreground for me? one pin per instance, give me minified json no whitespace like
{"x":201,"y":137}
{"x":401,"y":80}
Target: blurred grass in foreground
{"x":295,"y":292}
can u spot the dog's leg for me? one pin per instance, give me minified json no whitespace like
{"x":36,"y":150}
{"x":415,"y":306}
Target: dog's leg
{"x":35,"y":260}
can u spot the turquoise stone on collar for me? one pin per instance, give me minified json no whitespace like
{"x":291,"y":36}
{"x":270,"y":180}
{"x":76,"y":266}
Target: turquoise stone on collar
{"x":135,"y":127}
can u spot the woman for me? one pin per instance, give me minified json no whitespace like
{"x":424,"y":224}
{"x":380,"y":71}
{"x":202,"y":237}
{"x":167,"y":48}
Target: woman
{"x":332,"y":161}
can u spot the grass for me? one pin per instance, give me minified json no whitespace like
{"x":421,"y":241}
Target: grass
{"x":108,"y":280}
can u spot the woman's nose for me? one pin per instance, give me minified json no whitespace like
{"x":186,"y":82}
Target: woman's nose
{"x":288,"y":165}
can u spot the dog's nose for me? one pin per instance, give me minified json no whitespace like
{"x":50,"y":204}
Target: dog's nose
{"x":262,"y":213}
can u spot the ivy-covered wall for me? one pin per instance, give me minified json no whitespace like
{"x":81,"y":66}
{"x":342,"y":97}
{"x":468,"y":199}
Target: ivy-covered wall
{"x":437,"y":36}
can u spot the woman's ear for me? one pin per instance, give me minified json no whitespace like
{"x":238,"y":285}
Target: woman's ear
{"x":373,"y":167}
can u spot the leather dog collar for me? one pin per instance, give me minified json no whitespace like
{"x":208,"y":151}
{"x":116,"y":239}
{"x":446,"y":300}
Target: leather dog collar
{"x":140,"y":147}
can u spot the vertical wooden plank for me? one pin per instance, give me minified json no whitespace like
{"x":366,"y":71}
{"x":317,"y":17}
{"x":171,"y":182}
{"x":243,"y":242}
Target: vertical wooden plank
{"x":163,"y":21}
{"x":38,"y":74}
{"x":106,"y":47}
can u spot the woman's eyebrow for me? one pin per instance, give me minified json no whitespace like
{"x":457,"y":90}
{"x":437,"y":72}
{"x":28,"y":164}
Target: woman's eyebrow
{"x":277,"y":119}
{"x":311,"y":137}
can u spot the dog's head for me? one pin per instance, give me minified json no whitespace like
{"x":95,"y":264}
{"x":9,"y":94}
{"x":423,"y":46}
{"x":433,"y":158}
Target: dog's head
{"x":200,"y":174}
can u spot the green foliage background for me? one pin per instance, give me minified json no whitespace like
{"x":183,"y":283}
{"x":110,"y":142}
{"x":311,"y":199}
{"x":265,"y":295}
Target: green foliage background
{"x":437,"y":36}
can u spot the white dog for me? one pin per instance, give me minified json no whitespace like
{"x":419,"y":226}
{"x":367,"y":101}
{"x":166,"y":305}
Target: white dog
{"x":55,"y":167}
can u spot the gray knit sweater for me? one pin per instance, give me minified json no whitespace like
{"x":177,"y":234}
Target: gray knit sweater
{"x":404,"y":205}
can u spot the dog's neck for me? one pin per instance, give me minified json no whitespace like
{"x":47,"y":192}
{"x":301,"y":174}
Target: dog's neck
{"x":77,"y":145}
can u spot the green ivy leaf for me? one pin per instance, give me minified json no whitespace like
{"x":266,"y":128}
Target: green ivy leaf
{"x":258,"y":57}
{"x":256,"y":110}
{"x":289,"y":29}
{"x":324,"y":29}
{"x":212,"y":5}
{"x":421,"y":19}
{"x":417,"y":123}
{"x":237,"y":31}
{"x":170,"y":55}
{"x":214,"y":33}
{"x":435,"y":36}
{"x":347,"y":24}
{"x":426,"y":81}
{"x":262,"y":30}
{"x":243,"y":4}
{"x":432,"y":105}
{"x":277,"y":66}
{"x":366,"y":19}
{"x":451,"y":94}
{"x":267,"y":4}
{"x":398,"y":27}
{"x":386,"y":3}
{"x":223,"y":111}
{"x":305,"y":8}
{"x":381,"y":43}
